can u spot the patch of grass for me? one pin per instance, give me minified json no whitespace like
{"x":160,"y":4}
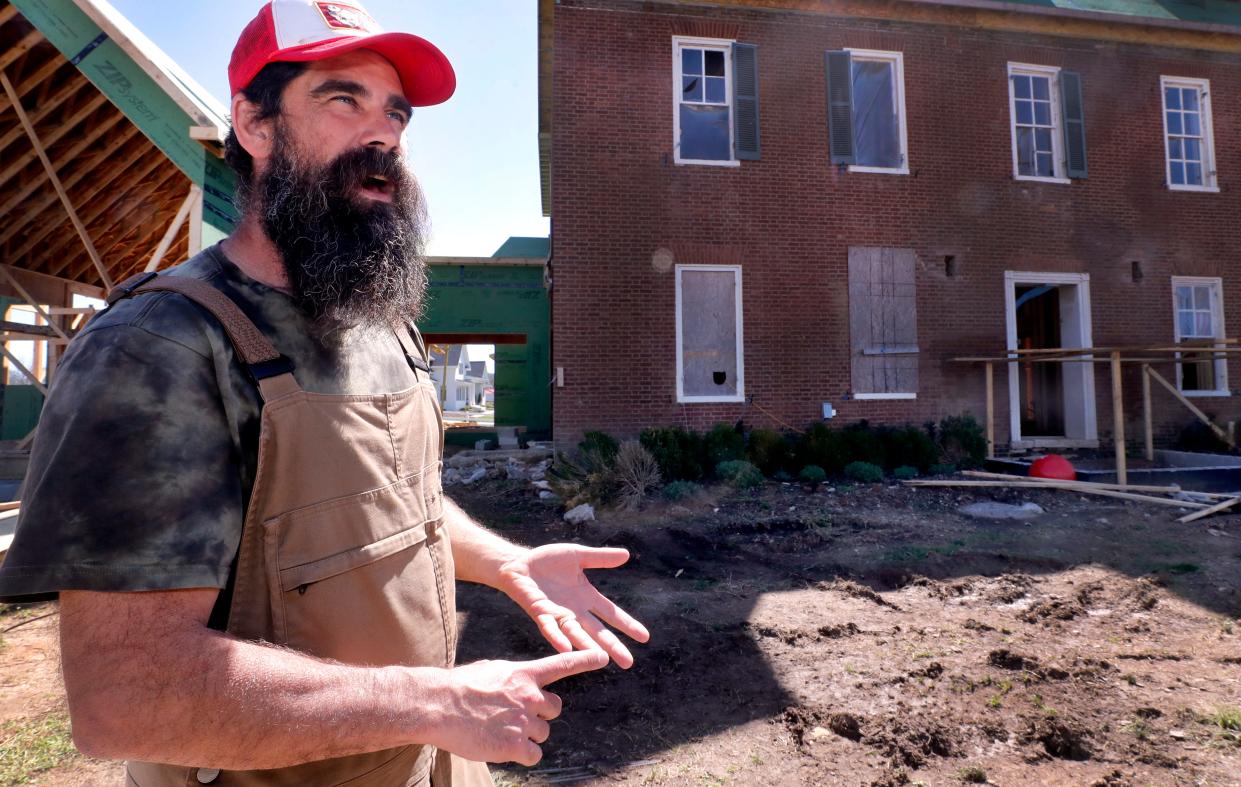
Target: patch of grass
{"x":1138,"y":728}
{"x":1130,"y":679}
{"x":995,"y":702}
{"x":755,"y":759}
{"x":1226,"y":718}
{"x":32,"y":746}
{"x":923,"y":654}
{"x":972,"y":775}
{"x":1182,"y":568}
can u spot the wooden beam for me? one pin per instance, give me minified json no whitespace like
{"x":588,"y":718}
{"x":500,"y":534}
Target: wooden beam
{"x":1163,"y":490}
{"x":7,"y":13}
{"x":990,"y":410}
{"x":42,"y":111}
{"x":1215,"y":509}
{"x":49,"y":67}
{"x":51,"y":323}
{"x":51,"y":173}
{"x":123,"y":160}
{"x":28,"y":439}
{"x":63,"y":160}
{"x":13,"y":359}
{"x":182,"y":214}
{"x":1068,"y":486}
{"x":1147,"y":416}
{"x":23,"y":46}
{"x":1219,"y":432}
{"x":1118,"y":420}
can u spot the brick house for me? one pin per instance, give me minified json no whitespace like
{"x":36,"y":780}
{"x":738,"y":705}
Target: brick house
{"x":764,"y":208}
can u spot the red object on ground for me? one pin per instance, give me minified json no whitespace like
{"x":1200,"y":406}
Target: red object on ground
{"x":1053,"y":466}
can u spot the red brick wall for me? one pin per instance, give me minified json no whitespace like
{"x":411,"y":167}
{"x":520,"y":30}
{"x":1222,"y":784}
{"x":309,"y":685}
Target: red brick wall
{"x":790,"y":218}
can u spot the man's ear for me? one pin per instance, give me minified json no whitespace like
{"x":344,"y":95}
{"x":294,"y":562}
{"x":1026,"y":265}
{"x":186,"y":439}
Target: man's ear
{"x":256,"y":136}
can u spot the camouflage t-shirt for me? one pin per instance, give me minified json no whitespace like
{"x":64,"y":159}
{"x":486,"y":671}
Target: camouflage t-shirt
{"x":148,"y":443}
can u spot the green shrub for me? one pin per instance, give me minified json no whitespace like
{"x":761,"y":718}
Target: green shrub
{"x":812,"y":474}
{"x":600,"y":444}
{"x":905,"y":473}
{"x":825,"y":447}
{"x":739,"y":473}
{"x":680,"y":490}
{"x":909,"y":445}
{"x":962,"y":441}
{"x":637,"y":474}
{"x":942,"y":470}
{"x":678,"y":452}
{"x":723,"y":444}
{"x":864,"y":443}
{"x":769,"y":451}
{"x":865,"y":472}
{"x":583,"y":478}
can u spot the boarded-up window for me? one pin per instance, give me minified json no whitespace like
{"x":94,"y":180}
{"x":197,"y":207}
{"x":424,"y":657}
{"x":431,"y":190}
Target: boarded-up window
{"x":709,"y":340}
{"x":883,"y":323}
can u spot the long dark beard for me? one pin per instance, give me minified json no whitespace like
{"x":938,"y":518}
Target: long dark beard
{"x":349,"y":264}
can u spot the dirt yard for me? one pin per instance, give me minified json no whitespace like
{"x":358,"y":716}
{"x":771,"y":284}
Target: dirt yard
{"x":869,"y":635}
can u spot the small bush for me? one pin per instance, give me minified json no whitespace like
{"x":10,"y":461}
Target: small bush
{"x":769,"y":451}
{"x":825,"y":447}
{"x":601,"y":444}
{"x":864,"y":443}
{"x":905,"y":473}
{"x":681,"y":490}
{"x":723,"y":444}
{"x":637,"y":474}
{"x":973,"y":775}
{"x":584,"y":478}
{"x":865,"y":472}
{"x":740,"y":474}
{"x":962,"y":441}
{"x":812,"y":474}
{"x":942,"y":469}
{"x":909,"y":445}
{"x":678,"y":452}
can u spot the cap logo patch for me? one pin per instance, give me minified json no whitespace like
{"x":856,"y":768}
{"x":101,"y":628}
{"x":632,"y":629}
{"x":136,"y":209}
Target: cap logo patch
{"x":346,"y":17}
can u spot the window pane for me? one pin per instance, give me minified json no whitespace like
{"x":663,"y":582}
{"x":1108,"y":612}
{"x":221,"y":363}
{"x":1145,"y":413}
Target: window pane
{"x":1172,"y":97}
{"x":704,"y":133}
{"x":691,"y":61}
{"x":1178,"y":173}
{"x":1184,"y":298}
{"x":1193,"y":150}
{"x":709,"y":333}
{"x":1042,"y":113}
{"x":1193,"y":174}
{"x":1025,"y":151}
{"x":715,"y":90}
{"x":1175,"y":149}
{"x":1025,"y":113}
{"x":1021,"y":86}
{"x":1202,"y":298}
{"x":715,"y":63}
{"x":1202,"y":324}
{"x":691,"y":88}
{"x":1174,"y":123}
{"x":876,"y":128}
{"x":1041,"y":90}
{"x":1045,"y":166}
{"x":1042,"y":140}
{"x":1192,"y":124}
{"x":1185,"y":323}
{"x":1189,"y":98}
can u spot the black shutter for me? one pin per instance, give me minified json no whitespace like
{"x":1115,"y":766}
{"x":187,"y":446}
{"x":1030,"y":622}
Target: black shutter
{"x":1074,"y":124}
{"x":745,"y":102}
{"x":840,"y":107}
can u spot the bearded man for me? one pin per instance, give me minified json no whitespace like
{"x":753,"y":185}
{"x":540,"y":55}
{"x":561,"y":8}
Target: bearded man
{"x":235,"y":488}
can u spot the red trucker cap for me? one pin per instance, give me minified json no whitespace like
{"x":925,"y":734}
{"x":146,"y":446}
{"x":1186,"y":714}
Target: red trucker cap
{"x":305,"y":30}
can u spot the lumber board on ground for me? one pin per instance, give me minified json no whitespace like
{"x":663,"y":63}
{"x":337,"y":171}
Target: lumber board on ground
{"x":1167,"y":490}
{"x":1063,"y":486}
{"x":1215,"y":509}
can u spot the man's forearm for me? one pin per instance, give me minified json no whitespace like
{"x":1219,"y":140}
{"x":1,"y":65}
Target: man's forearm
{"x":477,"y":552}
{"x":186,"y":695}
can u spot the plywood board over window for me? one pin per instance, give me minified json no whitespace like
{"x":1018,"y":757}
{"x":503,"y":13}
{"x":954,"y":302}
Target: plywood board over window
{"x":709,"y":334}
{"x":883,"y":323}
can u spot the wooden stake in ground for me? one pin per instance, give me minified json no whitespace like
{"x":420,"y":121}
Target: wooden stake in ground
{"x":1118,"y":421}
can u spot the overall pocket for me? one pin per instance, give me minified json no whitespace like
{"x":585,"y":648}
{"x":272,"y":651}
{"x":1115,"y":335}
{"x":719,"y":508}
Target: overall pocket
{"x":358,"y":579}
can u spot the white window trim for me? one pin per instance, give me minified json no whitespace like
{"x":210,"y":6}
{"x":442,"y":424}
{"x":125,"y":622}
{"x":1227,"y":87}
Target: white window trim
{"x":1059,"y":165}
{"x":1217,"y":314}
{"x":898,"y":61}
{"x":705,"y":43}
{"x":682,"y":398}
{"x":885,"y":397}
{"x":1210,"y":179}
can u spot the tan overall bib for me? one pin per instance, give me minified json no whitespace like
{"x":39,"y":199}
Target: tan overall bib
{"x":343,"y":552}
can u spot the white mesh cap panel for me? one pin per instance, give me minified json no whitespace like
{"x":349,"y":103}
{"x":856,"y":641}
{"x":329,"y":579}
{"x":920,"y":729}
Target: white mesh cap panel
{"x":300,"y":22}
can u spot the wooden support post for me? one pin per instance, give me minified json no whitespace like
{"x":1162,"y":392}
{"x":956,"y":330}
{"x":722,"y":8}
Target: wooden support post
{"x":15,"y":100}
{"x":24,"y":445}
{"x":182,"y":214}
{"x":47,"y":317}
{"x":1118,"y":421}
{"x":1147,"y":416}
{"x":13,"y":359}
{"x":990,"y":410}
{"x":1219,"y":431}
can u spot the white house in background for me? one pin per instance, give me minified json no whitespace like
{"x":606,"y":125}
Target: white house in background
{"x":466,"y":379}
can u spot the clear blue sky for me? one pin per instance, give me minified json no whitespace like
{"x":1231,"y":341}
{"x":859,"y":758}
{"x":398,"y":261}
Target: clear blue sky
{"x":476,"y":156}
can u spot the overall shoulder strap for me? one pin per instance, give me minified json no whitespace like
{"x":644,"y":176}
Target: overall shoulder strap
{"x":272,"y":371}
{"x":413,"y":345}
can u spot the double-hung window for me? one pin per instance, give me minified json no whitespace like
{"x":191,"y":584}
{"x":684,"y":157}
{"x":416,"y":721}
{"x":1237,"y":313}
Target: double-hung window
{"x":710,"y":366}
{"x":1189,"y":149}
{"x":1199,"y":323}
{"x":866,"y":110}
{"x":1048,"y":126}
{"x":716,"y":101}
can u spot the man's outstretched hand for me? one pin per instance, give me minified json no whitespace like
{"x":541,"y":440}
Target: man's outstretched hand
{"x":550,"y":584}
